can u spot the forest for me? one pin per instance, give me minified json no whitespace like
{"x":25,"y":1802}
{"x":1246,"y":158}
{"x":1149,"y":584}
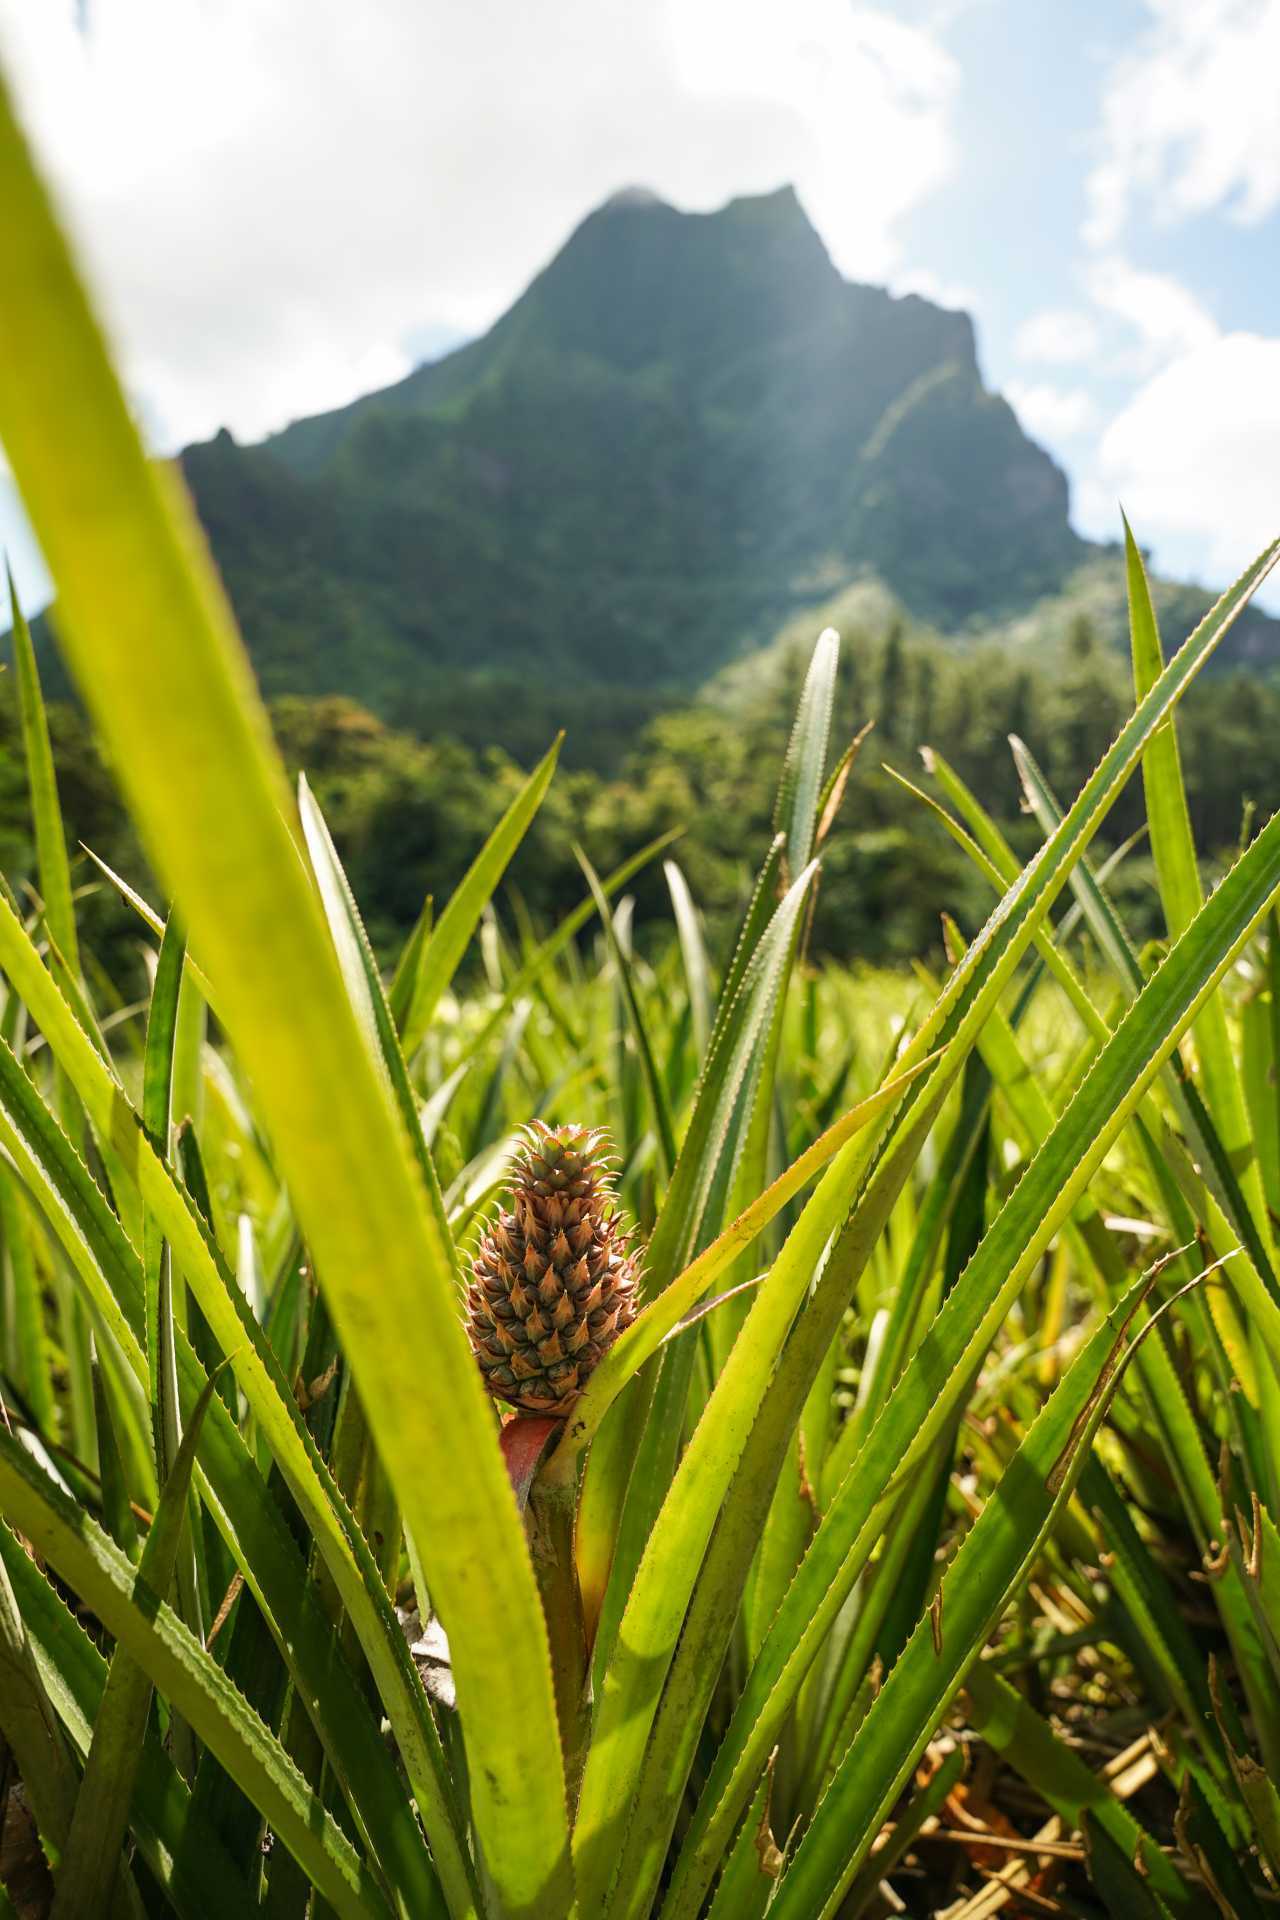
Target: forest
{"x":404,"y":811}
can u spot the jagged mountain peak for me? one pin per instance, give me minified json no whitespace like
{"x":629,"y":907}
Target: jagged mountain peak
{"x":781,"y":203}
{"x":642,"y":281}
{"x":627,"y":198}
{"x":686,"y":428}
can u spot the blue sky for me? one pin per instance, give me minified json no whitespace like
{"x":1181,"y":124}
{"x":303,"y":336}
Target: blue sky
{"x":283,"y":208}
{"x":1164,"y":292}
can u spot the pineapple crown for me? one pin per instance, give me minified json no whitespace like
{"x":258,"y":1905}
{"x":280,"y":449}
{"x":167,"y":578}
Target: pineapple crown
{"x":557,"y":1159}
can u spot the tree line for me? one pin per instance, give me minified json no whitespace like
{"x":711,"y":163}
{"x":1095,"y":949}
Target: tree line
{"x":409,"y":813}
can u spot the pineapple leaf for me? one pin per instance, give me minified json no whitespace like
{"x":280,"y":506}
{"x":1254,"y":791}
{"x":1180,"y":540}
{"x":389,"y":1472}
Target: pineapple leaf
{"x":937,"y":1376}
{"x":182,"y":1850}
{"x":973,"y":1591}
{"x":800,"y":790}
{"x":91,"y":1860}
{"x":451,"y":935}
{"x":190,"y":741}
{"x":153,"y":1636}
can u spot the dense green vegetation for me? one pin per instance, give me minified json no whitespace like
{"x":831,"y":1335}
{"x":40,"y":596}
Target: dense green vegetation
{"x":404,"y":812}
{"x":898,"y":1521}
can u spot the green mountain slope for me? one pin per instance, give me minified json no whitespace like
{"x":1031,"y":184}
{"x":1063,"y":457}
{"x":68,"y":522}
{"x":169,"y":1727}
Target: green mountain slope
{"x":685,"y":431}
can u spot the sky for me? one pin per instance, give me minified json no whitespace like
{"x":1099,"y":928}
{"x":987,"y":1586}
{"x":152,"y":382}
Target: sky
{"x":284,"y":205}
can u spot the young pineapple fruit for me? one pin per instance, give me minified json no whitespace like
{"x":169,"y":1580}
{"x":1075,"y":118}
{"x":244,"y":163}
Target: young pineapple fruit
{"x":554,"y":1278}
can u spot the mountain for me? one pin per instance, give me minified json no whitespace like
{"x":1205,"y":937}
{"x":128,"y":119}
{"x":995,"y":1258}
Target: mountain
{"x":687,"y":429}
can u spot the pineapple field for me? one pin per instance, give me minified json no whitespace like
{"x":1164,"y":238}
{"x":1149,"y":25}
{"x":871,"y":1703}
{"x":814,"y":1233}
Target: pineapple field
{"x":570,"y":1424}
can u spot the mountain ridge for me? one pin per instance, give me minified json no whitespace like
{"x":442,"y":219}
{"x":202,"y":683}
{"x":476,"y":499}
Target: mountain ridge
{"x":687,"y":429}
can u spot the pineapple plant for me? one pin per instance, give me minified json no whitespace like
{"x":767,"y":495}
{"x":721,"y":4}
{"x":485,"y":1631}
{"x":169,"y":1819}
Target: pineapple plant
{"x":554,"y":1277}
{"x":667,"y":1681}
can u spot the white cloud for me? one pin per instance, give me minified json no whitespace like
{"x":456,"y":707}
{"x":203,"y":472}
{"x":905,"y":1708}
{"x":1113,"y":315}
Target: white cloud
{"x":1189,"y":126}
{"x":1195,"y":456}
{"x":1190,"y":118}
{"x":1166,"y":316}
{"x":1060,"y":336}
{"x":273,"y":203}
{"x":865,"y":97}
{"x":1051,"y":413}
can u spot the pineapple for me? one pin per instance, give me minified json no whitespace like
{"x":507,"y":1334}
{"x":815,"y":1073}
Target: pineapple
{"x":554,"y":1278}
